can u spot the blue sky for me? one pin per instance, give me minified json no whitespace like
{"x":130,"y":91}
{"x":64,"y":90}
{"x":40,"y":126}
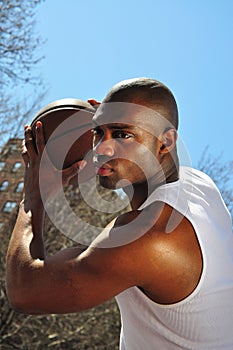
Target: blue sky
{"x":187,"y":44}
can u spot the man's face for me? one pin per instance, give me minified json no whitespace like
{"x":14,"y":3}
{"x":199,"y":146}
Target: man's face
{"x":125,"y":144}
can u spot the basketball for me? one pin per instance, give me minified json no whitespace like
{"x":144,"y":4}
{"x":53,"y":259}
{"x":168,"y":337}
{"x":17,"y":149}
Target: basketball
{"x":67,"y":125}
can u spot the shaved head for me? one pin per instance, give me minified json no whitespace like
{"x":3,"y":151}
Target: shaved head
{"x":146,"y":92}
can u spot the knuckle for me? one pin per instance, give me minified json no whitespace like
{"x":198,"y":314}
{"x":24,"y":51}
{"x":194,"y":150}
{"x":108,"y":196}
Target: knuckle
{"x":27,"y":132}
{"x":28,"y":138}
{"x":24,"y":153}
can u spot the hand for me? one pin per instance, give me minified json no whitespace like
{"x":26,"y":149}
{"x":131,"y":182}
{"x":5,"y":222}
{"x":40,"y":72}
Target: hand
{"x":42,"y":179}
{"x":94,"y":103}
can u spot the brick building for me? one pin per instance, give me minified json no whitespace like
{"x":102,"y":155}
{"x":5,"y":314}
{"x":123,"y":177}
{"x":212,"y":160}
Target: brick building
{"x":11,"y":180}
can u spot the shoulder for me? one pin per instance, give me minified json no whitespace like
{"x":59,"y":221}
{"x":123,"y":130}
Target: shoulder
{"x":136,"y":248}
{"x":129,"y":227}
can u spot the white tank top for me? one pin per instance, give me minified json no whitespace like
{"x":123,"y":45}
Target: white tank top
{"x":203,"y":320}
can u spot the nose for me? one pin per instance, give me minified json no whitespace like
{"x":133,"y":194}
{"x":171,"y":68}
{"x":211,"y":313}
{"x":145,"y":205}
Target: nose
{"x":105,"y":148}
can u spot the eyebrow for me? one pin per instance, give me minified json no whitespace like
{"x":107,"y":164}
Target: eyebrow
{"x":116,"y":126}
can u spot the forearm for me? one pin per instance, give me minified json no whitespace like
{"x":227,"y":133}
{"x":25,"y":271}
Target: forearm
{"x":33,"y":281}
{"x":30,"y":274}
{"x":26,"y":245}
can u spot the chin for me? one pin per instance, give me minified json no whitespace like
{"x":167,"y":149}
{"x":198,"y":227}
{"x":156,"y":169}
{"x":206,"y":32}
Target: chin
{"x":107,"y":183}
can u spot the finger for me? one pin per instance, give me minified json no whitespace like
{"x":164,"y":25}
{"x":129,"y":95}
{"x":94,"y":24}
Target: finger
{"x":25,"y":153}
{"x":94,"y":102}
{"x":40,"y":141}
{"x":29,"y":142}
{"x":73,"y":170}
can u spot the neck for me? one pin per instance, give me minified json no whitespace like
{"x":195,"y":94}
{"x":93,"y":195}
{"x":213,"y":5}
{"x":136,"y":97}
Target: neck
{"x":143,"y":190}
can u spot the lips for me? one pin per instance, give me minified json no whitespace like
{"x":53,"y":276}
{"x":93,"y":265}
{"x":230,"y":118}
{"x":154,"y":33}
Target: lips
{"x":103,"y":169}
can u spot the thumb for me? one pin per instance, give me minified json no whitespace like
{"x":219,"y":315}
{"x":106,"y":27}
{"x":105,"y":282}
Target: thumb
{"x":72,"y":171}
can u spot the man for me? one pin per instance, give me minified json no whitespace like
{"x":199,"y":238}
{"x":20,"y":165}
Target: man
{"x":169,"y":261}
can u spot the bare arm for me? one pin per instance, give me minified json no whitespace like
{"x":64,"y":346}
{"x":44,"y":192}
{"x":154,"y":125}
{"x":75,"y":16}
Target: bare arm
{"x":166,"y":267}
{"x":69,"y":281}
{"x":26,"y":244}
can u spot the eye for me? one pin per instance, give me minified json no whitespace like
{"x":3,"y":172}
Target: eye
{"x":97,"y":131}
{"x":122,"y":134}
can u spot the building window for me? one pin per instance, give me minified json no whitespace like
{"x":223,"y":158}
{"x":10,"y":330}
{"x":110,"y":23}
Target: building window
{"x":13,"y":147}
{"x":17,"y":166}
{"x":4,"y":185}
{"x":2,"y":164}
{"x":9,"y":207}
{"x":19,"y":187}
{"x":1,"y":225}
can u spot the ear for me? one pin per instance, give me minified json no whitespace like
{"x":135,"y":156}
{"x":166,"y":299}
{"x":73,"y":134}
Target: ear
{"x":168,"y":141}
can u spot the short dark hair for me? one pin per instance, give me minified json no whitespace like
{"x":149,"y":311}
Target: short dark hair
{"x":146,"y":92}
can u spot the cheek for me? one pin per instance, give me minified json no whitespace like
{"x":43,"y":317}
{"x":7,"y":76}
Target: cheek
{"x":147,"y":164}
{"x":139,"y":160}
